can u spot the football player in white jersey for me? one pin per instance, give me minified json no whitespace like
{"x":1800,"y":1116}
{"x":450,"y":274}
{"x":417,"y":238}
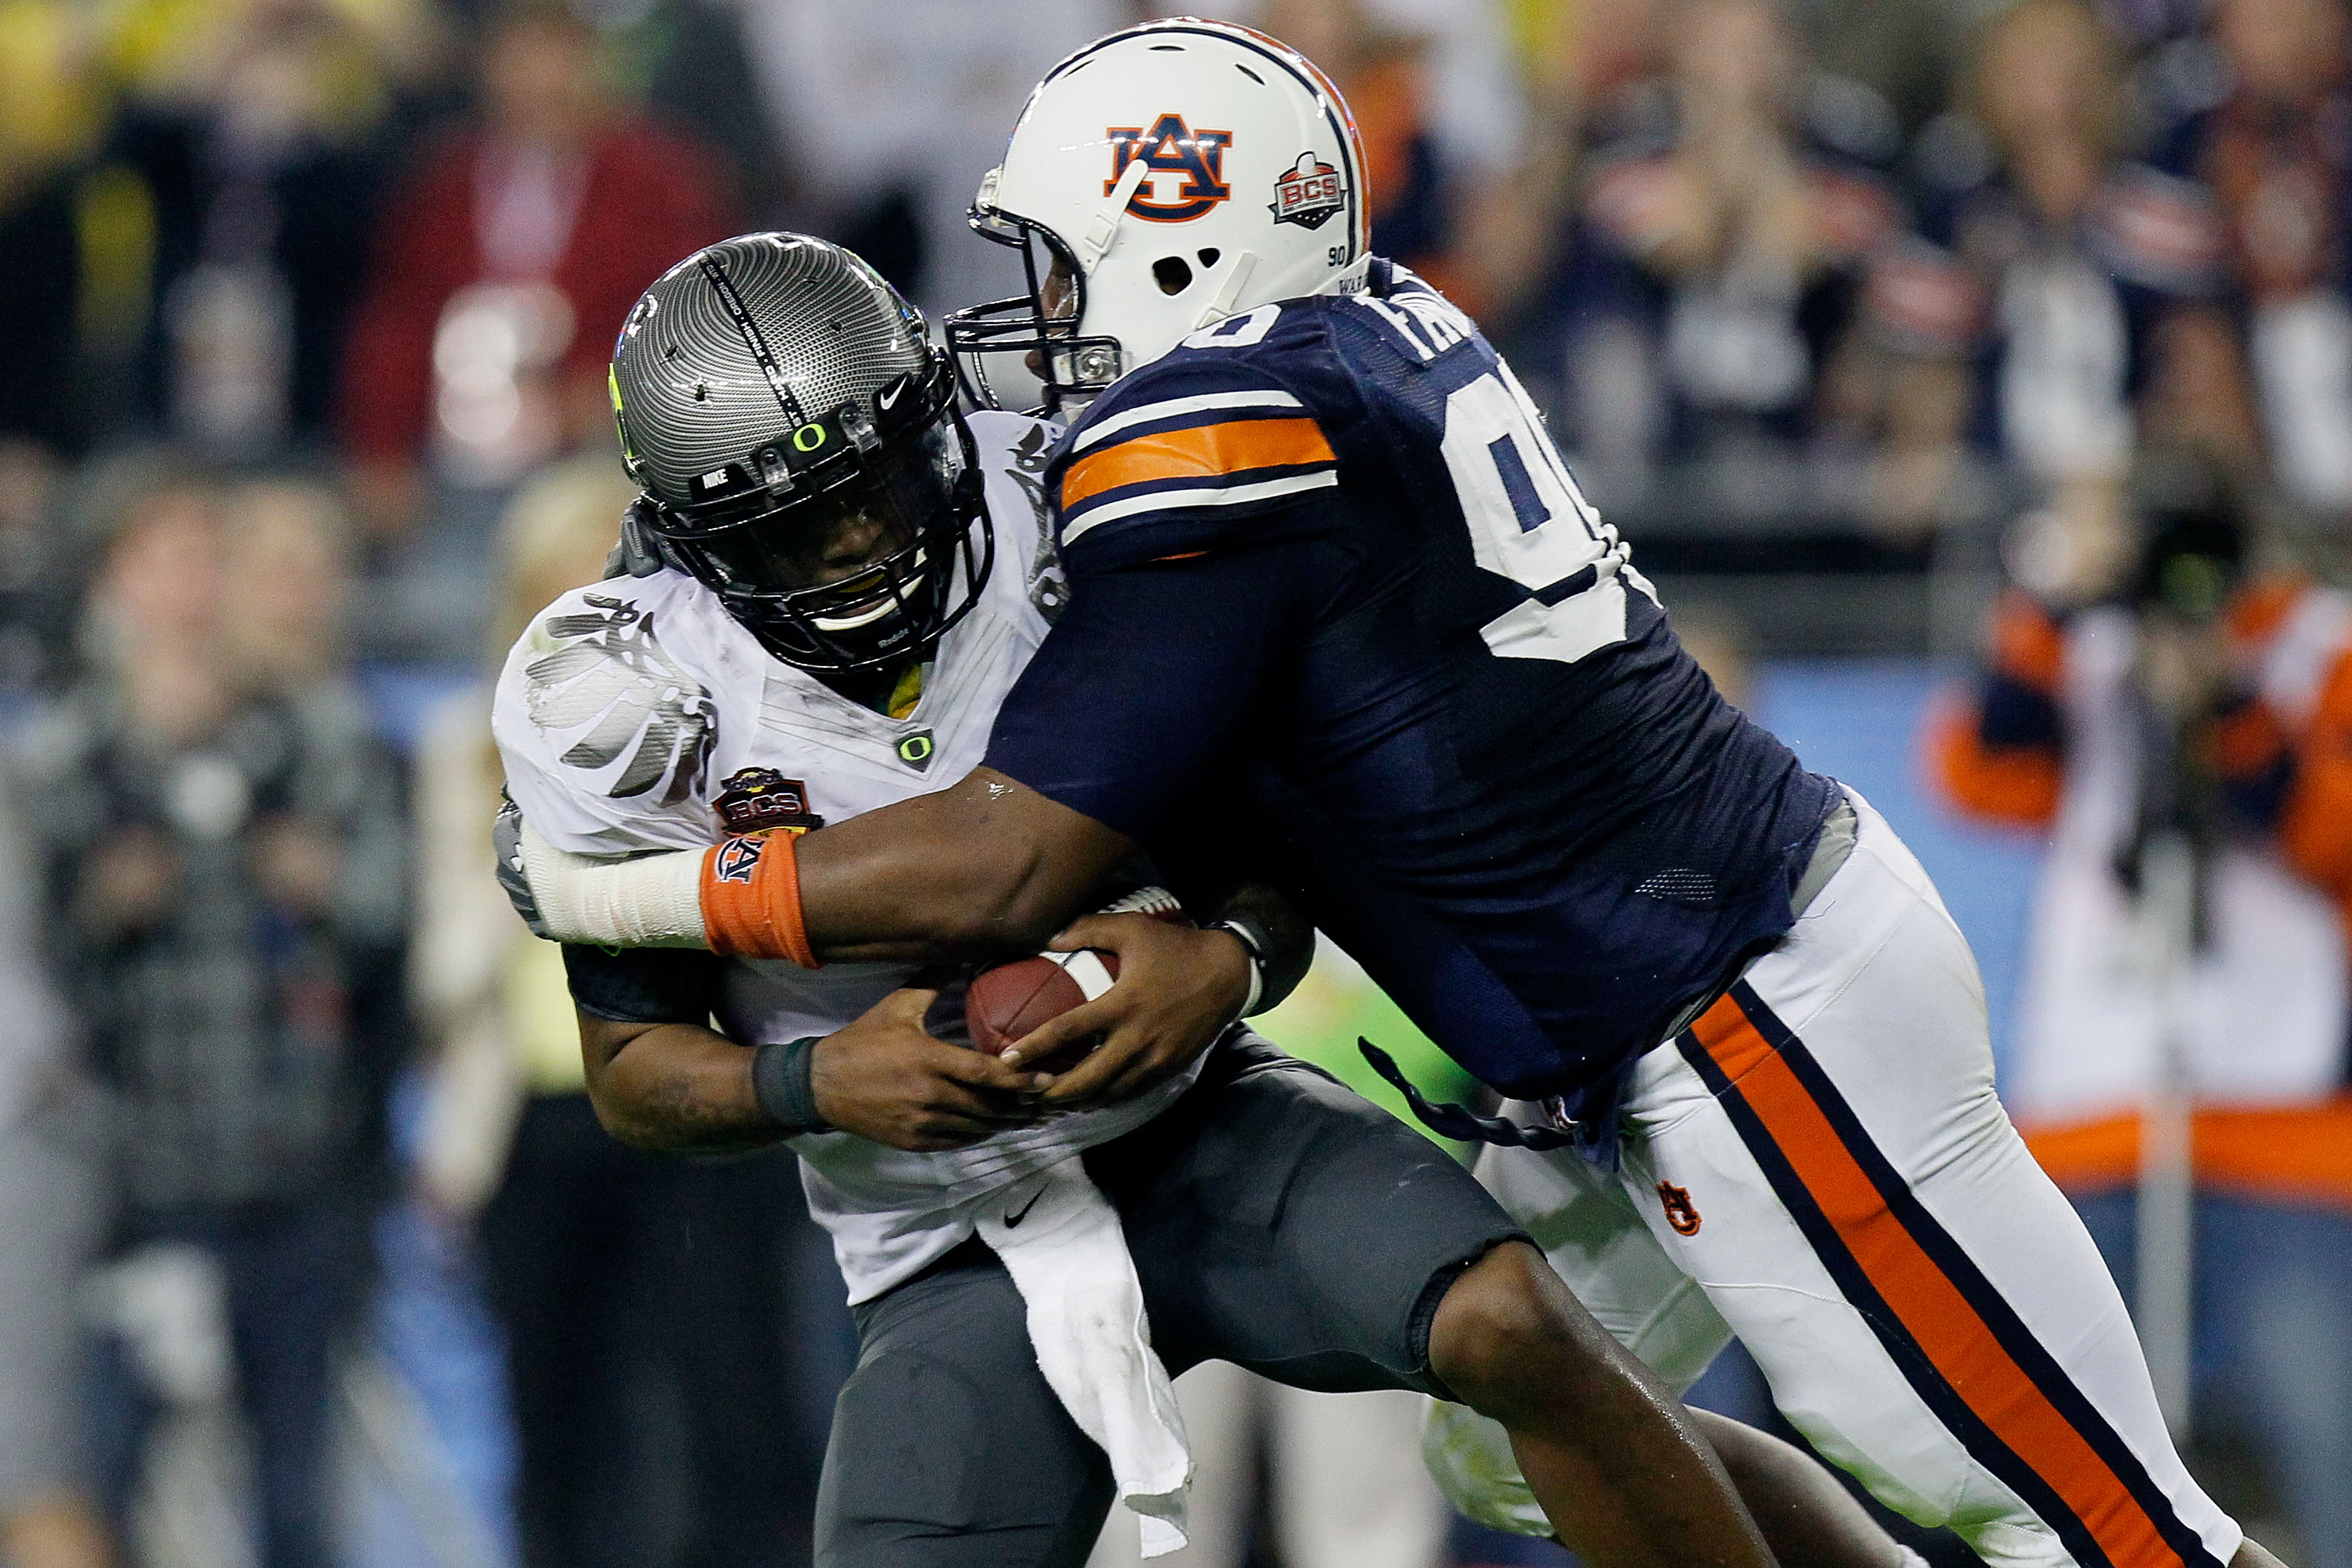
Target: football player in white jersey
{"x":831,"y":584}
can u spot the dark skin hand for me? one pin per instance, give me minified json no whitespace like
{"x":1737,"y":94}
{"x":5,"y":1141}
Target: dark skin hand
{"x":992,"y":867}
{"x":1187,"y":985}
{"x":685,"y":1089}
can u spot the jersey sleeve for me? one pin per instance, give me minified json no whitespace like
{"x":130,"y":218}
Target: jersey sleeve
{"x":605,"y":727}
{"x":1197,"y":452}
{"x":1129,"y":712}
{"x":643,"y":985}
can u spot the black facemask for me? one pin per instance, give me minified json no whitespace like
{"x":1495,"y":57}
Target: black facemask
{"x":911,"y":517}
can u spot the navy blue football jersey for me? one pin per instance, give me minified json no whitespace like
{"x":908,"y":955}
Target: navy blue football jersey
{"x":1331,"y":577}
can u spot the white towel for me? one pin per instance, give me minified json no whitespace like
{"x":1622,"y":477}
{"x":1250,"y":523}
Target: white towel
{"x":1061,"y":1241}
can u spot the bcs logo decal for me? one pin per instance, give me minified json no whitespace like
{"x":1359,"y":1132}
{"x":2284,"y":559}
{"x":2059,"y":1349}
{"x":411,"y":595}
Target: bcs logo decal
{"x":1308,"y":193}
{"x":1170,"y":147}
{"x":738,"y":858}
{"x":1681,"y":1213}
{"x":757,"y":799}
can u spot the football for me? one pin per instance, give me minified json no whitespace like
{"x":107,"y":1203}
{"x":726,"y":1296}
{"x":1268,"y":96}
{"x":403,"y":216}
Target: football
{"x":1006,"y":1001}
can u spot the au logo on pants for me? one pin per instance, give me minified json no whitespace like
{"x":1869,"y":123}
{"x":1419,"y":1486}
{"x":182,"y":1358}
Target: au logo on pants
{"x":1680,"y":1212}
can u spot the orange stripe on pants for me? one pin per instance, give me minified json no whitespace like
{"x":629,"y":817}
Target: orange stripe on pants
{"x":1931,"y":1309}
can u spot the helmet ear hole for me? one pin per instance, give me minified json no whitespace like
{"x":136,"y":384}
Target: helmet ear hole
{"x":1209,"y":256}
{"x":1174,"y":273}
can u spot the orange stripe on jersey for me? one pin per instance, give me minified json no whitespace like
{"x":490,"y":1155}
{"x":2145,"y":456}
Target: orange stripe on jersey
{"x":1933,"y":1310}
{"x":1203,"y":452}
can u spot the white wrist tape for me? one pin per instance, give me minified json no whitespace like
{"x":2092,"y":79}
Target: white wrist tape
{"x":653,"y":901}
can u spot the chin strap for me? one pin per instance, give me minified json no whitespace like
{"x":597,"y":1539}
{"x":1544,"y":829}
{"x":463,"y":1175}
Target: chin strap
{"x":1221,"y":304}
{"x":638,"y":554}
{"x":1103,"y":228}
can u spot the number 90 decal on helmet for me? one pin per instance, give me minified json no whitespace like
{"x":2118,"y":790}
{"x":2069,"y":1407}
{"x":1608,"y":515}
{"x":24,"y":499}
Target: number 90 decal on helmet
{"x":1159,"y":180}
{"x":797,"y":437}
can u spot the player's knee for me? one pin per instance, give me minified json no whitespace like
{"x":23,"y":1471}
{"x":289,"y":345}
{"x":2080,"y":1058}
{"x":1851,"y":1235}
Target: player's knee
{"x":1504,"y":1325}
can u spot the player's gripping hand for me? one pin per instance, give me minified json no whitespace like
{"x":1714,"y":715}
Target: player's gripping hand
{"x":1178,"y":988}
{"x":884,"y":1078}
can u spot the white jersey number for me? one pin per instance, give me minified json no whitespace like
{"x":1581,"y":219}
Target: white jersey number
{"x":1529,"y":522}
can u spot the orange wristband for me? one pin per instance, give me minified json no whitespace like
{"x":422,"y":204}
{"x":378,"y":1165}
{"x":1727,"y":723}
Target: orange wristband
{"x":752,"y":898}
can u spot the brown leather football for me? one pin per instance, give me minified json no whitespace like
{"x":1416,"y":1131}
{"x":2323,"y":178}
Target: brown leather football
{"x":1006,"y":1002}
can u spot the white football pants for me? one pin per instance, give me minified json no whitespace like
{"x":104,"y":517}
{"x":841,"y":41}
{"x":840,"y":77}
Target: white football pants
{"x":1820,"y":1165}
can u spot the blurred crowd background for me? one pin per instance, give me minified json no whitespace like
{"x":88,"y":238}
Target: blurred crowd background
{"x":1974,"y":377}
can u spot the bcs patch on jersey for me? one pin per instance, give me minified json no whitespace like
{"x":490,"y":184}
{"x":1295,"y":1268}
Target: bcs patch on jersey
{"x":1170,"y":148}
{"x":756,"y":799}
{"x":738,"y":858}
{"x":1308,"y":192}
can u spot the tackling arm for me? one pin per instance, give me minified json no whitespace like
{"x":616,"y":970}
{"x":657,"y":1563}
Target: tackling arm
{"x":1111,"y":736}
{"x":988,"y":866}
{"x":1113,"y":731}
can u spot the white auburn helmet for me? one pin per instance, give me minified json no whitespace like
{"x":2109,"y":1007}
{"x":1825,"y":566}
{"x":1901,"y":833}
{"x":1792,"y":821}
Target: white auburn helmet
{"x":1179,"y":172}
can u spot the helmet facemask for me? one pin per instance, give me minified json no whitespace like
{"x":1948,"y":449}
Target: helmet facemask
{"x":841,"y":551}
{"x":1040,"y":327}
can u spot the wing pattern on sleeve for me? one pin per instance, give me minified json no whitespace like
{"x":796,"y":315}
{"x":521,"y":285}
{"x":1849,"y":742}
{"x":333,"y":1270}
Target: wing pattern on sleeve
{"x":611,"y":676}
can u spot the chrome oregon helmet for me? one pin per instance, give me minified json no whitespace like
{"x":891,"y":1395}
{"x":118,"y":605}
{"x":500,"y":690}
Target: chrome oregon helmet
{"x":797,"y":437}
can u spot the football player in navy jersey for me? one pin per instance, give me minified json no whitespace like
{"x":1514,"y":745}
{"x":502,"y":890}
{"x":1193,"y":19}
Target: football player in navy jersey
{"x":1333,"y":589}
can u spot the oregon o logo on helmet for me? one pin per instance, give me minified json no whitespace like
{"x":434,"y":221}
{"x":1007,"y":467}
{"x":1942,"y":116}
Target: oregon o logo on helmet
{"x":1170,"y":147}
{"x":808,"y":438}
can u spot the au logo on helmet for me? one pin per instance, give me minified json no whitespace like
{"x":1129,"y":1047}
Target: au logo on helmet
{"x":1307,"y":192}
{"x":1170,"y":147}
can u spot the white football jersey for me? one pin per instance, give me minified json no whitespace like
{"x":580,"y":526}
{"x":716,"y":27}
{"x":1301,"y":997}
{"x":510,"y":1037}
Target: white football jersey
{"x":630,"y":707}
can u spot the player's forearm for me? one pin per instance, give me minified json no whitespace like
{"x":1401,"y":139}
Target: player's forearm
{"x":988,"y":866}
{"x":678,"y":1088}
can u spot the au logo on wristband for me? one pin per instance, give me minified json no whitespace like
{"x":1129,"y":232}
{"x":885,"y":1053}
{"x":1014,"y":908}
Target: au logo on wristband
{"x":740,"y":857}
